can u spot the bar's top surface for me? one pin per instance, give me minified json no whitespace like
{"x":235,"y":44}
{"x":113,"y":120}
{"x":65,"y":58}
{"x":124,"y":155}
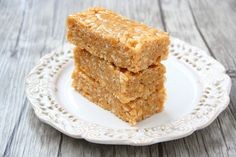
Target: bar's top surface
{"x":109,"y":24}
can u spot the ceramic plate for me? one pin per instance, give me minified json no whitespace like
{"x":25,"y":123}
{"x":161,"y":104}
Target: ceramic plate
{"x":197,"y":88}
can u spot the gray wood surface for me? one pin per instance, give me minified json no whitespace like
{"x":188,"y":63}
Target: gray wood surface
{"x":30,"y":29}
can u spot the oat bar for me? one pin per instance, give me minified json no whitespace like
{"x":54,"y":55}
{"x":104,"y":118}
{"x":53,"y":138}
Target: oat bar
{"x":124,"y":85}
{"x":126,"y":43}
{"x":131,"y":112}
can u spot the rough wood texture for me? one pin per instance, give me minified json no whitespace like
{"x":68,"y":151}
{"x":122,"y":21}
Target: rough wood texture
{"x":29,"y":29}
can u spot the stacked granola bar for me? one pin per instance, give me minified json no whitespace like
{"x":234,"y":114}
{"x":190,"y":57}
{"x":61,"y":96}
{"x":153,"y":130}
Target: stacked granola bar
{"x":117,"y":63}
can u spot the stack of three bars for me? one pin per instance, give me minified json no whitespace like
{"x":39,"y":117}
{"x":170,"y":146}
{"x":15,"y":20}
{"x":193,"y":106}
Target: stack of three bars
{"x":117,"y":63}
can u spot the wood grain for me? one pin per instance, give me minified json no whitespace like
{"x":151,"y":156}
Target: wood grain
{"x":181,"y":22}
{"x":31,"y":29}
{"x":220,"y":42}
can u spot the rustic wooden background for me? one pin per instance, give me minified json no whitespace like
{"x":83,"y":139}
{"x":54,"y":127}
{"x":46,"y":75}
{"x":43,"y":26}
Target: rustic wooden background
{"x":31,"y":28}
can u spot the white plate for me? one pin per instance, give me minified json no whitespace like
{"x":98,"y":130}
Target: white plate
{"x":197,"y":88}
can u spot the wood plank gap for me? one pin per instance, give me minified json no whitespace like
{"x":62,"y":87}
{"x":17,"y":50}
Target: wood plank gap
{"x":64,"y":39}
{"x":200,"y":144}
{"x":222,"y":133}
{"x":162,"y":15}
{"x":114,"y":151}
{"x":14,"y":51}
{"x":43,"y":49}
{"x":59,"y":148}
{"x":16,"y":127}
{"x":231,"y":110}
{"x":186,"y":145}
{"x":150,"y":151}
{"x":55,"y":6}
{"x":199,"y":30}
{"x":160,"y":150}
{"x":204,"y":144}
{"x":164,"y":148}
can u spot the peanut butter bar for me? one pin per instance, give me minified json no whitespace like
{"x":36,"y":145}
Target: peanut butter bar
{"x":124,"y":85}
{"x":131,"y":112}
{"x":123,"y":42}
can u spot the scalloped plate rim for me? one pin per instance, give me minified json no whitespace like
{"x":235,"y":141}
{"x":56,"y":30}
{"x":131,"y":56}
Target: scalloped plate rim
{"x":130,"y":142}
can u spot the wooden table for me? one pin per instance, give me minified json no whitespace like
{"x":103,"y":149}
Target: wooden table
{"x":30,"y":29}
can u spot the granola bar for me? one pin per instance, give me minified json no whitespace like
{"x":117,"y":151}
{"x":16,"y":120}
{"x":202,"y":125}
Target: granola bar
{"x":131,"y":112}
{"x":126,"y":43}
{"x":123,"y":84}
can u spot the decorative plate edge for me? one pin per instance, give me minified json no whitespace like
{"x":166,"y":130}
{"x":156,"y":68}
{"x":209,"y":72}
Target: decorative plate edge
{"x":193,"y":128}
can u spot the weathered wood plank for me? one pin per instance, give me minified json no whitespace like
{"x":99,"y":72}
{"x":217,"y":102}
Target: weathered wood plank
{"x":23,"y":134}
{"x":180,"y":23}
{"x":218,"y":30}
{"x":8,"y":40}
{"x":39,"y":27}
{"x":73,"y":148}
